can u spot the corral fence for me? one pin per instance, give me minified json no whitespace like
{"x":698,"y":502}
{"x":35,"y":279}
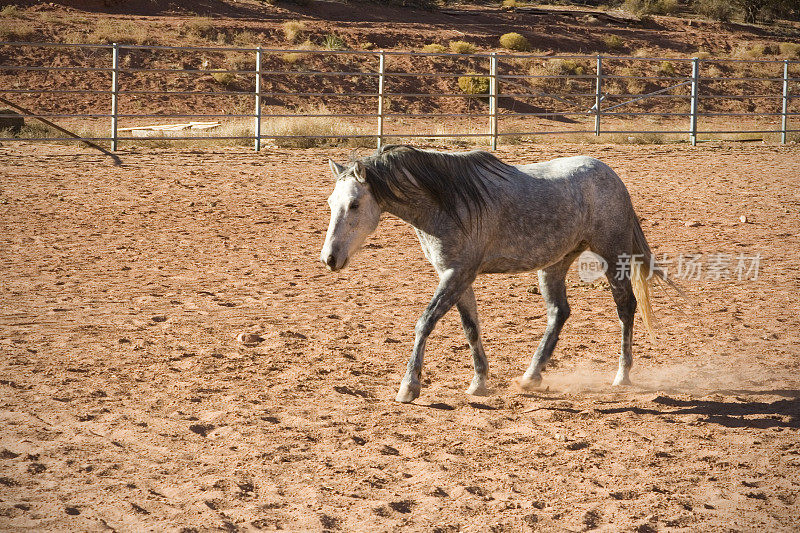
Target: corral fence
{"x":115,"y":92}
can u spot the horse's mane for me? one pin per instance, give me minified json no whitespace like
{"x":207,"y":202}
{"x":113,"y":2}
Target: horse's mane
{"x":451,"y":181}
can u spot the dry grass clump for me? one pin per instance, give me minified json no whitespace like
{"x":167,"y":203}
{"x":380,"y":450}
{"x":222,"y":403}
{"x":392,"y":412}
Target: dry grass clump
{"x":201,"y":28}
{"x":14,"y":31}
{"x":549,"y":69}
{"x":515,"y":41}
{"x":293,"y":31}
{"x":651,"y":7}
{"x":462,"y":47}
{"x":296,"y":57}
{"x":11,"y":11}
{"x":434,"y":48}
{"x":666,"y":68}
{"x":613,"y":42}
{"x":123,"y":32}
{"x":722,"y":10}
{"x":224,"y":78}
{"x":790,"y":50}
{"x":247,"y":39}
{"x":308,"y":132}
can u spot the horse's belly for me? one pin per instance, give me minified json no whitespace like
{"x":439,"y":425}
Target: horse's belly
{"x":509,"y":265}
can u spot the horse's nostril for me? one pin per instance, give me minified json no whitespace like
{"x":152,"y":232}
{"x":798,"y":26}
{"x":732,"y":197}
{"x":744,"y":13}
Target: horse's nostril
{"x":330,"y":261}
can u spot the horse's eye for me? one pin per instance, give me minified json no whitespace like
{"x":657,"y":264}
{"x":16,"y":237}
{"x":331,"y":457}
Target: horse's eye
{"x":354,"y":205}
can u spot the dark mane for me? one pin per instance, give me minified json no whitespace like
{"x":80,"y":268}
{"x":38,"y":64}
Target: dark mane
{"x":451,"y":181}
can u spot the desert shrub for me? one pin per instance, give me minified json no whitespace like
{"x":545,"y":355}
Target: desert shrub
{"x":651,"y":7}
{"x":462,"y":47}
{"x":756,"y":50}
{"x":790,"y":50}
{"x":11,"y":11}
{"x":293,"y":31}
{"x":510,"y":4}
{"x":565,"y":67}
{"x":434,"y":48}
{"x":246,"y":39}
{"x":613,"y":42}
{"x":721,"y":10}
{"x":473,"y":84}
{"x":14,"y":31}
{"x":515,"y":41}
{"x":333,"y":42}
{"x":224,"y":78}
{"x":202,"y":28}
{"x":125,"y":32}
{"x":666,"y":68}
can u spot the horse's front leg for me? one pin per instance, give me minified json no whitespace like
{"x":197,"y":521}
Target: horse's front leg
{"x":451,"y":287}
{"x":468,"y":309}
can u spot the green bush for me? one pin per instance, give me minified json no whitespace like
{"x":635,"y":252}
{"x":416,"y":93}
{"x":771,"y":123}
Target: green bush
{"x":333,"y":42}
{"x":462,"y":47}
{"x":474,"y":84}
{"x":515,"y":41}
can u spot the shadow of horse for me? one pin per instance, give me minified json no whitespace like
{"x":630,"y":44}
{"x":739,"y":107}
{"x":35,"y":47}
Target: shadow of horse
{"x":733,"y":414}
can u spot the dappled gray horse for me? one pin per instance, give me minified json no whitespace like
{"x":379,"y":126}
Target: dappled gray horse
{"x":474,"y":214}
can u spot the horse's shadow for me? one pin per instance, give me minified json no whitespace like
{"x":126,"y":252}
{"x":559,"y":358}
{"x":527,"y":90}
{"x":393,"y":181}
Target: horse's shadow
{"x":733,"y":414}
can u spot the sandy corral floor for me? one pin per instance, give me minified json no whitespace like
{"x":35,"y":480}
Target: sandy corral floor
{"x":127,"y":403}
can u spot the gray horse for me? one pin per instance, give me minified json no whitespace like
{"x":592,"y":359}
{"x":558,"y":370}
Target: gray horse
{"x":474,"y":214}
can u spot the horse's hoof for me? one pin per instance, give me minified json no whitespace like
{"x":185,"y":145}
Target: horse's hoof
{"x":479,"y":390}
{"x":408,"y":392}
{"x":622,"y":380}
{"x":528,"y":384}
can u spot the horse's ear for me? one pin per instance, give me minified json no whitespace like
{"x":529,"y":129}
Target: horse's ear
{"x":336,"y":168}
{"x":360,"y":172}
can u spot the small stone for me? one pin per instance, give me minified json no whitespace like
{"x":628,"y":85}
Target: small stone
{"x":692,"y":224}
{"x":743,"y":219}
{"x":250,"y":339}
{"x":159,"y":318}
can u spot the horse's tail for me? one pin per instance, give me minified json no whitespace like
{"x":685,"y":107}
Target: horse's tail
{"x":643,"y":269}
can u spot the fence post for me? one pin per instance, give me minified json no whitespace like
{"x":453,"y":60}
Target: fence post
{"x":493,"y":98}
{"x":114,"y":94}
{"x":785,"y":104}
{"x":381,"y":79}
{"x":598,"y":95}
{"x":257,"y":125}
{"x":693,"y":105}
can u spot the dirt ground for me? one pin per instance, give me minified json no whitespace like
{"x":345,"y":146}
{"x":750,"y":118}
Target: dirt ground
{"x":127,"y":403}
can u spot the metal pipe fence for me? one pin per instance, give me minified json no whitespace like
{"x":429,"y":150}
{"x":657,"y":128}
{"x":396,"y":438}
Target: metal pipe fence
{"x":258,"y":94}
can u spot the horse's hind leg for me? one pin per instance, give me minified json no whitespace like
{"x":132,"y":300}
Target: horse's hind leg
{"x":554,"y":291}
{"x":621,"y":289}
{"x":468,"y":309}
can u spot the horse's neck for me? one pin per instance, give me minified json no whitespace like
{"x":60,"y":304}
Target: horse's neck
{"x":419,"y":211}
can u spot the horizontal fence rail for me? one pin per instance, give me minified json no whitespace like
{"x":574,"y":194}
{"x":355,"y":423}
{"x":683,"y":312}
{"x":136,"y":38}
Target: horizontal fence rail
{"x":163,"y":93}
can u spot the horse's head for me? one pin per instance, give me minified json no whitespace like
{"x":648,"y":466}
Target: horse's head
{"x":354,"y":215}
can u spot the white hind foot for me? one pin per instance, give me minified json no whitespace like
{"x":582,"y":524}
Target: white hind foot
{"x":478,"y":387}
{"x":526,"y":383}
{"x":408,"y":392}
{"x":622,"y":379}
